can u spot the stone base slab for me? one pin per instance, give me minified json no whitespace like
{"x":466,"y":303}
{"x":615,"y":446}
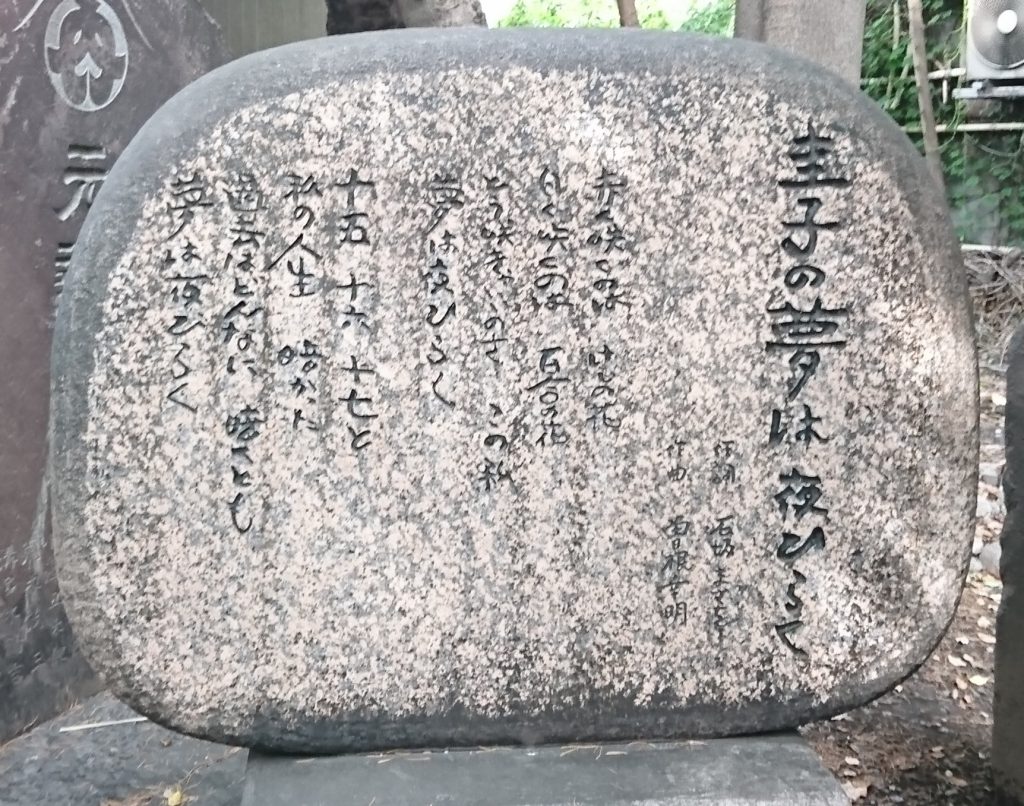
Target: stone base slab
{"x":778,"y":770}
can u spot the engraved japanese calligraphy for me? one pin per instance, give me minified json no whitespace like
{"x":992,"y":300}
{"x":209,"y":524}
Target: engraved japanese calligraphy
{"x":542,"y":390}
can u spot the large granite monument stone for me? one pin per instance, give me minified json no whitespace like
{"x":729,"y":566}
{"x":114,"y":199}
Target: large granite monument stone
{"x":446,"y":388}
{"x":78,"y":78}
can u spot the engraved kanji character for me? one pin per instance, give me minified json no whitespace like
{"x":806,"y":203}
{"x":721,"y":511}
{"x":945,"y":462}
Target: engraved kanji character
{"x":84,"y":175}
{"x":353,"y":286}
{"x":357,"y":371}
{"x":303,"y":278}
{"x":294,"y":257}
{"x":805,"y":333}
{"x":187,"y":289}
{"x":353,"y":185}
{"x":244,"y":194}
{"x":806,"y":432}
{"x":720,"y":537}
{"x":188,"y":195}
{"x":354,"y":228}
{"x":555,"y":237}
{"x":724,"y":471}
{"x":801,"y":492}
{"x":608,"y":185}
{"x":678,"y":528}
{"x":436,"y":276}
{"x":492,"y":474}
{"x":302,"y":186}
{"x":353,"y":400}
{"x":244,"y":426}
{"x":354,"y":318}
{"x":809,"y":226}
{"x":62,"y":262}
{"x":809,"y":153}
{"x":445,"y":194}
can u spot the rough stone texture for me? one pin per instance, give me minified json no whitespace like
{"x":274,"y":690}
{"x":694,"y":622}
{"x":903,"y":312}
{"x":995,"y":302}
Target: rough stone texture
{"x":125,"y":764}
{"x":58,"y":140}
{"x":829,"y":32}
{"x":251,"y":25}
{"x":1008,"y":710}
{"x":763,"y":771}
{"x":532,"y":521}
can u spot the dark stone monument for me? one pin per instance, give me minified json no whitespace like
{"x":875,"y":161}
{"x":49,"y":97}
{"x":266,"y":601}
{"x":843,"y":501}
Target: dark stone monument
{"x":1008,"y":708}
{"x":252,"y":25}
{"x":79,"y":78}
{"x":457,"y":388}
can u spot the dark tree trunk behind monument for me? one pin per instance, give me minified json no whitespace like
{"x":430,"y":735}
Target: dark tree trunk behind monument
{"x":353,"y":16}
{"x":829,"y":32}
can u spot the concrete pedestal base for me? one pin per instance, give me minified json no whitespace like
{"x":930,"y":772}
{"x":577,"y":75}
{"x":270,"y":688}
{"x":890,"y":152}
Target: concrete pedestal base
{"x":777,"y":770}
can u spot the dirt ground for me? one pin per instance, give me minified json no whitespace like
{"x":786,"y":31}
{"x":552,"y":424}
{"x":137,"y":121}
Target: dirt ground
{"x":928,"y":742}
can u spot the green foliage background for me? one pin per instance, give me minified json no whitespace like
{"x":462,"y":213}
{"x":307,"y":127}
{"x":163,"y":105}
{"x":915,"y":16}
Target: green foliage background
{"x":984,"y":171}
{"x":716,"y":18}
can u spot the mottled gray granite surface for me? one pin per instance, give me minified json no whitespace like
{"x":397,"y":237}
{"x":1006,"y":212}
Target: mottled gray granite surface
{"x":446,"y":388}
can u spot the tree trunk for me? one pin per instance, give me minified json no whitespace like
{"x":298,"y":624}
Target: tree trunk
{"x":627,"y":14}
{"x":353,"y":16}
{"x":919,"y":48}
{"x":829,"y":32}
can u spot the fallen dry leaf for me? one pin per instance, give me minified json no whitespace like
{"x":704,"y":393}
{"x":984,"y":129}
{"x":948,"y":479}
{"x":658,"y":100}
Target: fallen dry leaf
{"x":175,"y":797}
